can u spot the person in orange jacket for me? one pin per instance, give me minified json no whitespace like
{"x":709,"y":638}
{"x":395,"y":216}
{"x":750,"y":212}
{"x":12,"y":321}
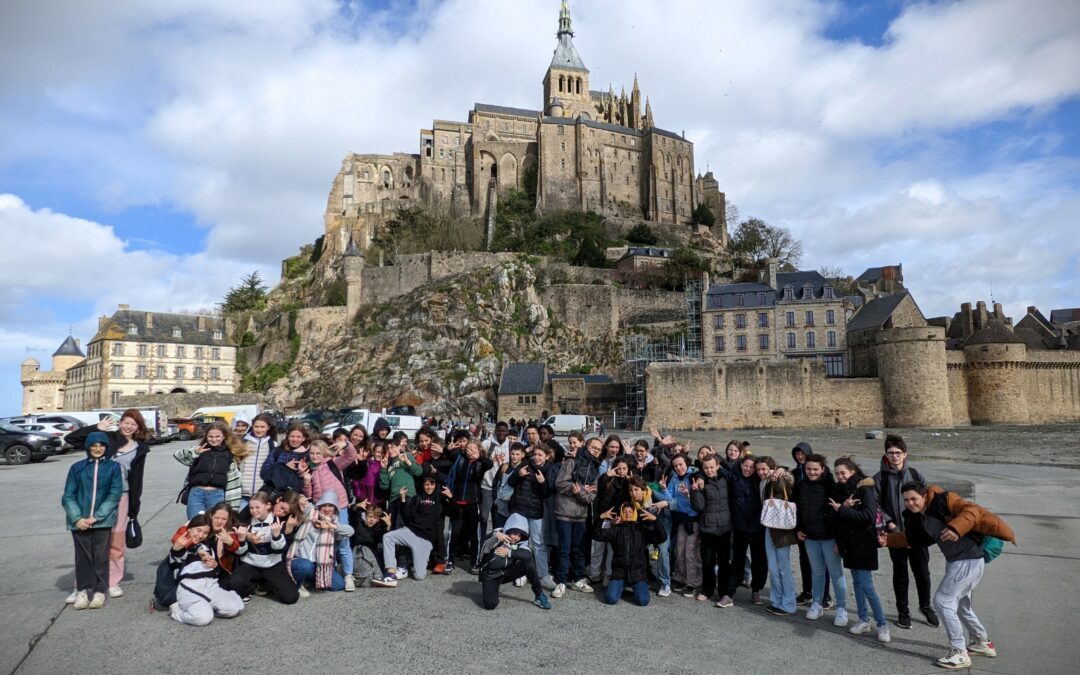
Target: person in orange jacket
{"x":959,"y":528}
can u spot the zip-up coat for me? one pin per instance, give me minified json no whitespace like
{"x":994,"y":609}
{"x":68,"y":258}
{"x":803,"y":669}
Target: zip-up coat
{"x":259,"y":452}
{"x":572,"y":507}
{"x":814,"y":515}
{"x":948,"y":510}
{"x":856,"y":533}
{"x":680,"y":502}
{"x":465,"y":477}
{"x":324,"y":479}
{"x":396,"y":475}
{"x":629,"y":547}
{"x":93,"y":489}
{"x":233,"y":478}
{"x":888,"y":482}
{"x":745,"y":502}
{"x":77,"y":439}
{"x":713,"y":504}
{"x":529,"y":493}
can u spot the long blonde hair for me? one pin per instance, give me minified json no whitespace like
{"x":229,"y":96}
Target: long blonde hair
{"x":237,"y":447}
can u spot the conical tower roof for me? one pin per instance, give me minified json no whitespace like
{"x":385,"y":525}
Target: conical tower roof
{"x":69,"y":348}
{"x":566,"y":55}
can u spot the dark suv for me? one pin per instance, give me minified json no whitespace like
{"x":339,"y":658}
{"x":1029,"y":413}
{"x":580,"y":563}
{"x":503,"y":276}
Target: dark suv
{"x":19,"y":446}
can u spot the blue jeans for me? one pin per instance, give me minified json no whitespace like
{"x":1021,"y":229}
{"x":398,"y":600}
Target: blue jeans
{"x":344,"y":549}
{"x":822,"y":558}
{"x":538,"y":547}
{"x":571,"y":565}
{"x":663,"y":567}
{"x":863,"y":581}
{"x":615,"y":589}
{"x":781,"y":580}
{"x":201,"y":499}
{"x":304,"y":570}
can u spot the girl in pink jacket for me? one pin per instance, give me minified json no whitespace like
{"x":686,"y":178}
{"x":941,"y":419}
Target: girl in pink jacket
{"x":325,"y":473}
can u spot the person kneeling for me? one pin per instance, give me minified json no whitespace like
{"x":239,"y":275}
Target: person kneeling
{"x":313,"y":554}
{"x":629,"y":534}
{"x":423,"y":519}
{"x":199,"y":597}
{"x":506,"y":556}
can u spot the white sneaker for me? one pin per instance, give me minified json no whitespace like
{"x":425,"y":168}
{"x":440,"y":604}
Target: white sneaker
{"x":174,"y":612}
{"x":401,"y":573}
{"x":860,"y":628}
{"x":814,"y":613}
{"x":82,"y":600}
{"x":70,"y":600}
{"x":582,"y":585}
{"x":956,"y":660}
{"x":664,"y":591}
{"x":883,"y":634}
{"x":982,"y":648}
{"x":841,"y":618}
{"x":98,"y":602}
{"x":116,"y":592}
{"x":390,"y":581}
{"x":350,"y":584}
{"x":304,"y":592}
{"x":520,"y":581}
{"x":558,"y":591}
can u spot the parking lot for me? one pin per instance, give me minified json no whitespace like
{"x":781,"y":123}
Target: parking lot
{"x":436,"y":624}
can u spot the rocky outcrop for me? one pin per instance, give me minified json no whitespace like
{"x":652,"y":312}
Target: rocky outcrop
{"x":440,"y":347}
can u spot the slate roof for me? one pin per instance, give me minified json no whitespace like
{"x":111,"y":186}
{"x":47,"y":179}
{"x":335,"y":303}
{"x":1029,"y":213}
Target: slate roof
{"x":994,"y":332}
{"x":665,"y":132}
{"x":651,"y":251}
{"x":1060,"y":316}
{"x":117,"y":327}
{"x":589,"y":379}
{"x":797,"y":280}
{"x":566,"y":55}
{"x":522,"y":378}
{"x":505,"y":110}
{"x":875,"y":313}
{"x":723,"y":296}
{"x":69,"y":348}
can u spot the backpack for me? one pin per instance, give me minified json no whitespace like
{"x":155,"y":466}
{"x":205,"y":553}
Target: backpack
{"x":991,"y":548}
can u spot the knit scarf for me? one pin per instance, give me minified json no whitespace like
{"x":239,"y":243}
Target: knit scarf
{"x":324,"y":550}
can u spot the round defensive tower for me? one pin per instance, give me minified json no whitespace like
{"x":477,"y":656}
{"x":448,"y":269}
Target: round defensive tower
{"x":914,"y":384}
{"x":995,"y":375}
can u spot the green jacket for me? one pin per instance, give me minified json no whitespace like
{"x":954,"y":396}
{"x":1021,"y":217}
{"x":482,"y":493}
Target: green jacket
{"x":397,"y":475}
{"x":93,"y":488}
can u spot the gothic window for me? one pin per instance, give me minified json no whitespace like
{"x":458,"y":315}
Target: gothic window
{"x":387,"y":179}
{"x":579,"y":85}
{"x":561,"y":79}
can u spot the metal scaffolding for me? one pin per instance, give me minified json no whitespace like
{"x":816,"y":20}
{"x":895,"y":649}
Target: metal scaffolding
{"x":693,"y":318}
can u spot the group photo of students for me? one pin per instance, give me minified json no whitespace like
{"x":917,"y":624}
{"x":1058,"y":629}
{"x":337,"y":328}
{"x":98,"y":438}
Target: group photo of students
{"x":652,"y":520}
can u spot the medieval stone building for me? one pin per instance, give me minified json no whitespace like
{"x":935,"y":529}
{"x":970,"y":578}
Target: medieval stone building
{"x":586,"y":150}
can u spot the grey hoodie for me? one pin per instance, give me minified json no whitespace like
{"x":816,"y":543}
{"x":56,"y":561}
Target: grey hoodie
{"x":305,"y":548}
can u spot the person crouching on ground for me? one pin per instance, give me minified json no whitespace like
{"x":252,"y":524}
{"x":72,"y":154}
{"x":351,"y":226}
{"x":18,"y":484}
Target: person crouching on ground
{"x":199,"y":597}
{"x":959,"y":528}
{"x":314,"y":551}
{"x":91,"y":496}
{"x":629,"y":533}
{"x":506,"y":556}
{"x":423,"y":519}
{"x":262,"y":545}
{"x":370,"y":526}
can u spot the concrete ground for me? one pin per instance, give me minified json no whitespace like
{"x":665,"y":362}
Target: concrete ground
{"x":1026,"y":600}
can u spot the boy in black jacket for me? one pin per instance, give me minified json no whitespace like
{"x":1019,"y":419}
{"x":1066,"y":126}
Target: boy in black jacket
{"x":369,"y":526}
{"x":505,"y":557}
{"x":423,"y":517}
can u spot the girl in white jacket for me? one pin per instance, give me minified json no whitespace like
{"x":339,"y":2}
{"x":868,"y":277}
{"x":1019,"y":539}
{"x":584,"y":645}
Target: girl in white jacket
{"x":198,"y":597}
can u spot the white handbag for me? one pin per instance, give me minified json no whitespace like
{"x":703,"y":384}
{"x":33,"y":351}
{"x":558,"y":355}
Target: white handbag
{"x":778,"y":514}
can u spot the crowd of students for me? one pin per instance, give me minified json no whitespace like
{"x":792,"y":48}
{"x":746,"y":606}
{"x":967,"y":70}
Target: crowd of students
{"x":331,"y":514}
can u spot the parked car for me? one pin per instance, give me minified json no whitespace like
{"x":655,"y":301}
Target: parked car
{"x":20,"y":446}
{"x":315,"y":420}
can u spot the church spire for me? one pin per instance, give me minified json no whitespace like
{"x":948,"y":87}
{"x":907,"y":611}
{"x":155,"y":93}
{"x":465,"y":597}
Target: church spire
{"x":564,"y":20}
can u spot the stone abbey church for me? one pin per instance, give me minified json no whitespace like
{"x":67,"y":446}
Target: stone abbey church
{"x":588,"y":150}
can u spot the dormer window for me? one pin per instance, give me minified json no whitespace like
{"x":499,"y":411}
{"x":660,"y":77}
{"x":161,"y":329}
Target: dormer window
{"x":217,"y":335}
{"x":176,"y":332}
{"x":808,"y":292}
{"x":761,"y":298}
{"x":828,"y":292}
{"x":739,"y":300}
{"x":789,"y":293}
{"x":133,"y":329}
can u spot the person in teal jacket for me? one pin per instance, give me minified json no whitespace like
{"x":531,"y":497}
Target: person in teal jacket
{"x":91,"y":497}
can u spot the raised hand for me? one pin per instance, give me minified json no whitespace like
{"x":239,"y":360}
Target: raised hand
{"x":275,"y":529}
{"x":242,"y":533}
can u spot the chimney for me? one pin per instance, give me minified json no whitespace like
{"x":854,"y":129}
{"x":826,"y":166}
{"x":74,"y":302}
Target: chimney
{"x":981,"y":315}
{"x":149,"y":321}
{"x":998,"y":314}
{"x":200,"y":322}
{"x":1031,"y":309}
{"x":102,"y":322}
{"x":967,"y":326}
{"x":772,"y":268}
{"x":123,"y":307}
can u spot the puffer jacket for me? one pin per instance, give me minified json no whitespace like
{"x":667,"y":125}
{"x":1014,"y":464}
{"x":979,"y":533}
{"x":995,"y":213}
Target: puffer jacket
{"x":629,"y":547}
{"x":529,"y":493}
{"x":93,"y":488}
{"x":856,"y":534}
{"x":713,"y":504}
{"x":815,"y":516}
{"x":745,"y":503}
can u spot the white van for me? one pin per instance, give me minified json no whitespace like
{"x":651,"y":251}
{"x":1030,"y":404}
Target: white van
{"x":564,"y":424}
{"x":410,"y":424}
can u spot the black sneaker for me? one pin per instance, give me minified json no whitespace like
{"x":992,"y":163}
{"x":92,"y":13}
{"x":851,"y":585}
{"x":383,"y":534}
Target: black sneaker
{"x":776,"y":611}
{"x":804,"y":598}
{"x":474,"y":570}
{"x":246,"y":599}
{"x":931,"y":616}
{"x":449,"y":567}
{"x":904,"y":620}
{"x":828,"y":604}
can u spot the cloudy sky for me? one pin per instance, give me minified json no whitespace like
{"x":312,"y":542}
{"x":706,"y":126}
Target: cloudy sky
{"x":154,"y":152}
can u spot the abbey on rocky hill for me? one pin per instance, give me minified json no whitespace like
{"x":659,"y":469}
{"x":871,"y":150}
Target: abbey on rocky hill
{"x":586,"y":150}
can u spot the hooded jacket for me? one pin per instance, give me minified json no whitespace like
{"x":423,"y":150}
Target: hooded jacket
{"x":813,"y":515}
{"x":77,"y":439}
{"x":572,"y":507}
{"x":465,"y":477}
{"x":948,"y":510}
{"x":856,"y":532}
{"x":629,"y":547}
{"x":799,"y":473}
{"x":304,"y":543}
{"x":380,"y":424}
{"x":888,"y":482}
{"x":529,"y":493}
{"x":492,"y":565}
{"x":713,"y":504}
{"x":324,"y":479}
{"x":745,"y":502}
{"x":680,"y":503}
{"x":424,"y":515}
{"x":93,"y":488}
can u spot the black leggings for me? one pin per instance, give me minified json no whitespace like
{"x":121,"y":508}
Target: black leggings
{"x":245,"y":577}
{"x":759,"y":565}
{"x":519,"y":568}
{"x":464,"y":531}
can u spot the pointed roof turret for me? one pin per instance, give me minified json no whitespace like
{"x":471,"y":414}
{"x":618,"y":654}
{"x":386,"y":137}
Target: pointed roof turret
{"x":69,"y":348}
{"x":566,"y":55}
{"x":352,"y":250}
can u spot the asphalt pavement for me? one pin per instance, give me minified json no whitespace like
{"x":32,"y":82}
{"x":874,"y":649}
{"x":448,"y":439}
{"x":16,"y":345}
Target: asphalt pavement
{"x":435,"y":625}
